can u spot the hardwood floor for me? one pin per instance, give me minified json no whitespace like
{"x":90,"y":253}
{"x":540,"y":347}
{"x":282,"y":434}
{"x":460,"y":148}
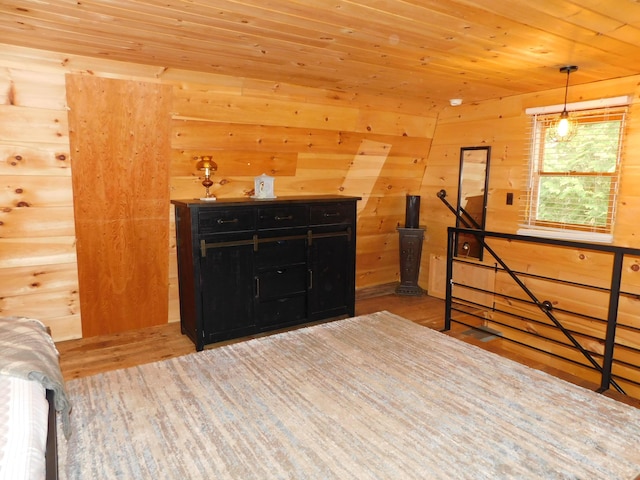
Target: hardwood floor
{"x":89,"y":356}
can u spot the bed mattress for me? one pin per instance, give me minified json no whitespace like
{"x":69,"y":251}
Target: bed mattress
{"x":23,"y":419}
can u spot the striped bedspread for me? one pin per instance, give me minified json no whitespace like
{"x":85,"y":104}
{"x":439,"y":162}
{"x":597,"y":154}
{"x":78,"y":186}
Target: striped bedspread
{"x":28,"y":352}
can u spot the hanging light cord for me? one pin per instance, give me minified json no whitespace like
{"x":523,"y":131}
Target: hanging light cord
{"x":566,"y":90}
{"x":568,"y":69}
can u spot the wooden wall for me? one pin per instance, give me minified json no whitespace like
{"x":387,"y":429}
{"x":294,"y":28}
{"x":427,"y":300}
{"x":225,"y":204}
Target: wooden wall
{"x":503,"y":125}
{"x":311,"y":141}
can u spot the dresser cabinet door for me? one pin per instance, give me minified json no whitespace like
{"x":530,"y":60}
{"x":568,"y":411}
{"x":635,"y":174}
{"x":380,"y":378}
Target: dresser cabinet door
{"x":332,"y":260}
{"x":227,"y":292}
{"x":331,"y":289}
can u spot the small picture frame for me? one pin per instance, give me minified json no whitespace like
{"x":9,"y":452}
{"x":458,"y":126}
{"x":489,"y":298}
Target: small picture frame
{"x":263,"y":187}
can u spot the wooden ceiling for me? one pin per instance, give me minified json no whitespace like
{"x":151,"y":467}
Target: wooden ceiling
{"x":425,"y":51}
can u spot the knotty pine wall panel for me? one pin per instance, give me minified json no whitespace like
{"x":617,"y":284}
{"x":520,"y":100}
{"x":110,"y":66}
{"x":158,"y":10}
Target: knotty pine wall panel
{"x":46,"y":291}
{"x":41,"y":159}
{"x":312,"y":141}
{"x":26,"y":88}
{"x":24,"y":222}
{"x":572,"y":264}
{"x":242,"y":109}
{"x":503,"y":125}
{"x":24,"y":280}
{"x":236,"y":162}
{"x":34,"y":191}
{"x":38,"y":270}
{"x":43,"y":304}
{"x":630,"y":277}
{"x":324,"y":146}
{"x":32,"y":125}
{"x":36,"y":251}
{"x":199,"y":134}
{"x":325,"y":165}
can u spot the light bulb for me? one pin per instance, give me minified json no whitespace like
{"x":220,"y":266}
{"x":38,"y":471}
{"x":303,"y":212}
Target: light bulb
{"x":563,"y":127}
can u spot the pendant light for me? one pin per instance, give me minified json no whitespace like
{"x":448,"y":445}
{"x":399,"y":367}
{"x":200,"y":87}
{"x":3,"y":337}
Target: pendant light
{"x":564,"y":127}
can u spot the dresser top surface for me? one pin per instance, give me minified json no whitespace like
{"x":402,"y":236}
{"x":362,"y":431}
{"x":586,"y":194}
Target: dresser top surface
{"x":264,"y":201}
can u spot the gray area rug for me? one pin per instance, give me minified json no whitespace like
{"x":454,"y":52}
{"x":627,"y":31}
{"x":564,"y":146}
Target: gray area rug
{"x":372,"y":397}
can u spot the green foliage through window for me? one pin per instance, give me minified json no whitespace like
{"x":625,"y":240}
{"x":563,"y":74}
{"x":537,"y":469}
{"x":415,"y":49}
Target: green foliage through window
{"x":575,"y":182}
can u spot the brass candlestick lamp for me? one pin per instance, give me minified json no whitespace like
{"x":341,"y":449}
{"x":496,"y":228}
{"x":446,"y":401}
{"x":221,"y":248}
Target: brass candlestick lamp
{"x":206,"y":164}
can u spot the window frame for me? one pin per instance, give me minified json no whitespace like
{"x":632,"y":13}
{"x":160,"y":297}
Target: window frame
{"x":541,"y":121}
{"x":538,"y":172}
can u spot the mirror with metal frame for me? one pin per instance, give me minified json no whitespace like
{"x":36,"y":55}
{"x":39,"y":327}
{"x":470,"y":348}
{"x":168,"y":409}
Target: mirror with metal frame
{"x":472,"y":198}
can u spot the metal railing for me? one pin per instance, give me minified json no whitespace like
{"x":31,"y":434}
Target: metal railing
{"x":600,"y":361}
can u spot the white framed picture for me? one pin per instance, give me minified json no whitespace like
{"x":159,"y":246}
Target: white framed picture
{"x":263,"y":187}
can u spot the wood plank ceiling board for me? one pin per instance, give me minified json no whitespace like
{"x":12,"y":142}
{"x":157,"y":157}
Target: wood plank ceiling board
{"x":120,"y":150}
{"x":420,"y":52}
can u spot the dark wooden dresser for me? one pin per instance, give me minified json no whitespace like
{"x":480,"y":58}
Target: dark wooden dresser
{"x":248,"y":266}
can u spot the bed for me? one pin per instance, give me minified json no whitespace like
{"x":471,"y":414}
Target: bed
{"x":32,"y":395}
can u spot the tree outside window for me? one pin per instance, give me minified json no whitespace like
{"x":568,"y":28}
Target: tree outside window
{"x":573,"y":183}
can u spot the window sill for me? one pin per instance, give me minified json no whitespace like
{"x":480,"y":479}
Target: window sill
{"x":572,"y":235}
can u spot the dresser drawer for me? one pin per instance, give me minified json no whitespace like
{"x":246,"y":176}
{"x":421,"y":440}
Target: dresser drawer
{"x":274,"y":252}
{"x":283,"y":311}
{"x":281,"y":282}
{"x":226,"y":220}
{"x":283,"y":216}
{"x":334,"y":213}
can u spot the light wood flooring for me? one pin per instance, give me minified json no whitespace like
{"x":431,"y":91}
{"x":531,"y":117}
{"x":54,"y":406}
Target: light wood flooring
{"x":89,"y":356}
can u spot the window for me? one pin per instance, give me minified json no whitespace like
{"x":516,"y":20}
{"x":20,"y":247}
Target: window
{"x":573,"y":185}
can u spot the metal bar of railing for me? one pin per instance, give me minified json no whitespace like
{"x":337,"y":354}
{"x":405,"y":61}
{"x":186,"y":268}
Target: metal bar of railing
{"x":465,"y":218}
{"x":545,"y":306}
{"x":449,"y":286}
{"x":597,"y":247}
{"x":612,"y":320}
{"x":471,"y":309}
{"x":513,"y":298}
